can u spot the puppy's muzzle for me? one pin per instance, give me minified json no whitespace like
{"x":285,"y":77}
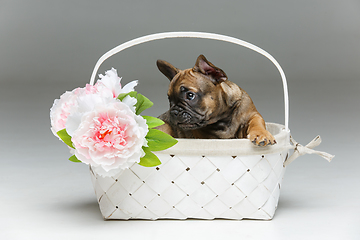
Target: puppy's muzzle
{"x":180,"y":115}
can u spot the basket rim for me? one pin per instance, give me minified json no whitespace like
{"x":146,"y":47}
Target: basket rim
{"x":232,"y":147}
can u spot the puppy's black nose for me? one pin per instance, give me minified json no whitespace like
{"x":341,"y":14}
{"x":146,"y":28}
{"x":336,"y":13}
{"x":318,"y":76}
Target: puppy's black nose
{"x":186,"y":117}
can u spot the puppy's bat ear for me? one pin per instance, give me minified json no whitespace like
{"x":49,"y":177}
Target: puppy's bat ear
{"x":205,"y":67}
{"x":167,"y":69}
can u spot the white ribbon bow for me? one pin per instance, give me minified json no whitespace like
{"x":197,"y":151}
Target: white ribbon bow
{"x":300,"y":150}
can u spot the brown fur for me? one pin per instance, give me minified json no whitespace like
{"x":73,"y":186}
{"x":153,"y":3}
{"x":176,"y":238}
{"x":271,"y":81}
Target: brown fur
{"x":220,"y":108}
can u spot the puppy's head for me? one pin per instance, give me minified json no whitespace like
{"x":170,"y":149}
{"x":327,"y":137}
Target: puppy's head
{"x":197,"y":95}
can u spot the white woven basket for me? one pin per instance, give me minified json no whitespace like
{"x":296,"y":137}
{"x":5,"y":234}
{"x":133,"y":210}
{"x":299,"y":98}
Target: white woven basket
{"x":202,"y":179}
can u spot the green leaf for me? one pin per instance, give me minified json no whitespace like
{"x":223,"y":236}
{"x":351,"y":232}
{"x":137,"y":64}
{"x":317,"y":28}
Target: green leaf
{"x":150,"y":159}
{"x":158,"y":140}
{"x":123,"y":95}
{"x":142,"y":103}
{"x":153,"y":121}
{"x":73,"y":158}
{"x":65,"y":137}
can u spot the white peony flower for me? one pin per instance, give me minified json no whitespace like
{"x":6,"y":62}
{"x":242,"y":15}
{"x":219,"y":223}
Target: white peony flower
{"x":67,"y":104}
{"x":107,"y":86}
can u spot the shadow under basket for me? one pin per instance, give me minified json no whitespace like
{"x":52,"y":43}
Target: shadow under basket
{"x":201,"y":179}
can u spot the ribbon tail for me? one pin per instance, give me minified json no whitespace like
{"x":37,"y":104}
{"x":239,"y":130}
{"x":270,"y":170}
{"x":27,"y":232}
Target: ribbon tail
{"x":314,"y":143}
{"x":300,"y":150}
{"x":325,"y":155}
{"x":290,"y":159}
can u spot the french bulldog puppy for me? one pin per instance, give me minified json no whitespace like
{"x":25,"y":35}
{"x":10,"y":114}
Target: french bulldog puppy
{"x":205,"y":104}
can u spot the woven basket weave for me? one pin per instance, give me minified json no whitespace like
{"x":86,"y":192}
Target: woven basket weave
{"x":202,"y":184}
{"x":202,"y":179}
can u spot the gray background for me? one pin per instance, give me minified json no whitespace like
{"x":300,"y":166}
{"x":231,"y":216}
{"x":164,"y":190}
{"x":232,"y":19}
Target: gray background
{"x":49,"y":47}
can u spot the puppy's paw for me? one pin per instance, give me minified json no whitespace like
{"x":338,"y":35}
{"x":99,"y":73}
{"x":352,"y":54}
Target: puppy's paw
{"x":261,"y":137}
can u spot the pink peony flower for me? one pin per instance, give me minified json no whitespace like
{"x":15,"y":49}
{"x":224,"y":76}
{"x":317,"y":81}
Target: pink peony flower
{"x":110,"y":137}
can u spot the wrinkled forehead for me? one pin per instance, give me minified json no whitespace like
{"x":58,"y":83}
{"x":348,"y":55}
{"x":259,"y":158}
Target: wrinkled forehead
{"x":193,"y":81}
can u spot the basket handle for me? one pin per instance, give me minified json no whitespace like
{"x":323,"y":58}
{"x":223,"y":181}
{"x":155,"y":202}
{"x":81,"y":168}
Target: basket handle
{"x":212,"y":36}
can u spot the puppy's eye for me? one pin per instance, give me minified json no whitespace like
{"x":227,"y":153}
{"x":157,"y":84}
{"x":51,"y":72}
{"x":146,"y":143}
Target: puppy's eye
{"x":190,"y":95}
